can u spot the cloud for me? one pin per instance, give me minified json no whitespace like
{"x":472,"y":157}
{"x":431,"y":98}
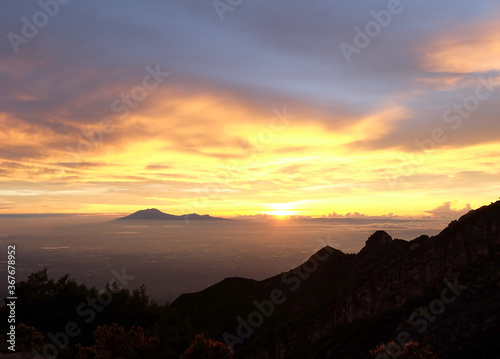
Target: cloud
{"x":80,"y":164}
{"x":354,"y":127}
{"x":445,"y":211}
{"x":158,"y":166}
{"x":72,"y":82}
{"x":476,"y":49}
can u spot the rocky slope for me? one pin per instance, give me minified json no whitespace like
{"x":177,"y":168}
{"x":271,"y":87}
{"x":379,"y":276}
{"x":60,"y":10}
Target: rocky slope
{"x":340,"y":305}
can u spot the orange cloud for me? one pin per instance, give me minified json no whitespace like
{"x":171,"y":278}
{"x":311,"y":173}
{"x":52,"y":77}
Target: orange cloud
{"x":465,"y":49}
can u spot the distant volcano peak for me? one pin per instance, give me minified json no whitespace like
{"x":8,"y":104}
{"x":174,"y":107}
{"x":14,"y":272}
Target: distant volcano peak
{"x":156,"y":214}
{"x":150,"y":211}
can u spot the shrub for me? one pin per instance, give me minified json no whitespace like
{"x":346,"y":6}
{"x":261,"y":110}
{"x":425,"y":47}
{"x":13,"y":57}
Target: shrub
{"x":113,"y":342}
{"x":409,"y":351}
{"x":203,"y":348}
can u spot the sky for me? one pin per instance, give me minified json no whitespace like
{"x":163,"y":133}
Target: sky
{"x":239,"y":107}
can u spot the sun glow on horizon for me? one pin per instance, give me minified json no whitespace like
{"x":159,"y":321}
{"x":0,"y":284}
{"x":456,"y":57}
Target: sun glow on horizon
{"x":281,"y":214}
{"x":281,"y":210}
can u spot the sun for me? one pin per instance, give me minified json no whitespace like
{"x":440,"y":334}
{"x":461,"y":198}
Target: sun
{"x":281,"y":210}
{"x":282,"y":214}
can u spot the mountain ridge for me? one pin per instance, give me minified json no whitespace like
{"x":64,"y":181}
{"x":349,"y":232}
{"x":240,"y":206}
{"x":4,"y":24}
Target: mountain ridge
{"x":334,"y":289}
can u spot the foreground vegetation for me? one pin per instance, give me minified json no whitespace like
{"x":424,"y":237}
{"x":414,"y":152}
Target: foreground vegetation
{"x":69,"y":320}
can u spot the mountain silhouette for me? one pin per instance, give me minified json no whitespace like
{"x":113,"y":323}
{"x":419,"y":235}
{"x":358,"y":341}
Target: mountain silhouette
{"x":442,"y":291}
{"x":155,"y":214}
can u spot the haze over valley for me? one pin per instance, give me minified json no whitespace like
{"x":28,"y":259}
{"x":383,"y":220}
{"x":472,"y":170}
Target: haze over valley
{"x":174,"y":257}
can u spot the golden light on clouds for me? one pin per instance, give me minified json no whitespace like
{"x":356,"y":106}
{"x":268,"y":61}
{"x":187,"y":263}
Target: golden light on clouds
{"x":302,"y":170}
{"x":290,"y":130}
